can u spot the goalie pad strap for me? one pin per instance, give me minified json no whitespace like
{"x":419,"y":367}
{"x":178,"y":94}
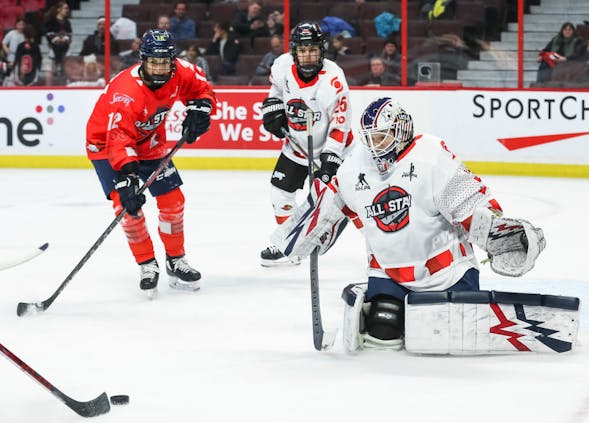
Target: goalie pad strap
{"x":489,"y":322}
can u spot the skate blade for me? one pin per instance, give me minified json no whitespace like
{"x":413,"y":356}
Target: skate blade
{"x":151,"y":293}
{"x":183,"y":285}
{"x":279,"y":263}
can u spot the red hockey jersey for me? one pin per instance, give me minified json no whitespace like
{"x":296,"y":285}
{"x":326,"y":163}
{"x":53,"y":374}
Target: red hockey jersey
{"x":127,"y":123}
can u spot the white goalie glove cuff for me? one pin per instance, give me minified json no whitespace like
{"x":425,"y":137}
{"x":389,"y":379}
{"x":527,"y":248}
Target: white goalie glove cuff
{"x":512,"y":244}
{"x":316,"y":223}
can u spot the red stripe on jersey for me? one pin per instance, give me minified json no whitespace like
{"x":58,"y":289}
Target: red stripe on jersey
{"x":353,"y":216}
{"x":373,"y":263}
{"x":463,"y":249}
{"x":483,"y":190}
{"x":337,"y":135}
{"x":401,"y":274}
{"x":439,"y":262}
{"x":408,"y":149}
{"x":466,"y":223}
{"x":495,"y":205}
{"x":349,"y":139}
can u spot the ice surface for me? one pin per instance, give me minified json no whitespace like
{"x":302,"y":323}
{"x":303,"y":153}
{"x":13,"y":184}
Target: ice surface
{"x":241,"y":349}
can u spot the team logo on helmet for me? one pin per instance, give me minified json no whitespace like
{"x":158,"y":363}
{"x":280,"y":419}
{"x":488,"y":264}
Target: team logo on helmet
{"x":296,"y":112}
{"x":390,"y":209}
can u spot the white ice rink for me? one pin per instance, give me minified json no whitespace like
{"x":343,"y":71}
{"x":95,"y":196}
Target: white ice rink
{"x":241,"y":350}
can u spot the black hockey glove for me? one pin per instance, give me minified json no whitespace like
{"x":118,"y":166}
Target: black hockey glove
{"x":127,"y":186}
{"x":198,"y":119}
{"x":330,"y":162}
{"x":274,"y":116}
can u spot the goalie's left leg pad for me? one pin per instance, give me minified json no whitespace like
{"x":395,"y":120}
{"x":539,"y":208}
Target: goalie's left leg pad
{"x":489,"y":322}
{"x":353,"y":296}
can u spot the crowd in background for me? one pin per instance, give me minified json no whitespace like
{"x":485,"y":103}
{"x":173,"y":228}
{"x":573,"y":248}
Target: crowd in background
{"x":239,"y":45}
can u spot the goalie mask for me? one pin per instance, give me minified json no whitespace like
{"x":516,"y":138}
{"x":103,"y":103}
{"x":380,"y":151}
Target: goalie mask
{"x":157,"y":53}
{"x":386,"y":129}
{"x":307,"y":46}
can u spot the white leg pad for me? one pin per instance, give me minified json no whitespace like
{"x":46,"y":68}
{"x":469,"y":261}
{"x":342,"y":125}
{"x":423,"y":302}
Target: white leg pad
{"x":353,"y":296}
{"x":489,"y":322}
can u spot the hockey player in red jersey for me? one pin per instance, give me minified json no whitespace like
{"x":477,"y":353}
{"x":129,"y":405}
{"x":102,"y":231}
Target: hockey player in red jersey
{"x":126,"y":139}
{"x":420,"y":211}
{"x":300,"y":80}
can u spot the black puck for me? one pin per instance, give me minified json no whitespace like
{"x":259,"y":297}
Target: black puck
{"x":119,"y":399}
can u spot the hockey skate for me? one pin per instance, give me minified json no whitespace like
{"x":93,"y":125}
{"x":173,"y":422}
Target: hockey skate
{"x":182,"y":275}
{"x":150,"y":274}
{"x":272,"y":257}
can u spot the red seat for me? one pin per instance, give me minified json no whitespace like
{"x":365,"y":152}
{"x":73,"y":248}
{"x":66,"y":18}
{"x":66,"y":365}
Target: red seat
{"x":247,"y":64}
{"x":233,"y":80}
{"x":9,"y":15}
{"x":32,"y":5}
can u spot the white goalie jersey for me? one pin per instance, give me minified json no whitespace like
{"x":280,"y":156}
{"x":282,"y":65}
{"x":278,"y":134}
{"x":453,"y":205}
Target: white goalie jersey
{"x":327,"y":94}
{"x":411,"y":217}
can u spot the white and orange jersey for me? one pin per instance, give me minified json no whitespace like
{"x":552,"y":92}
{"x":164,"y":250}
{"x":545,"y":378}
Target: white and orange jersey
{"x":414,"y":218}
{"x":327,"y":94}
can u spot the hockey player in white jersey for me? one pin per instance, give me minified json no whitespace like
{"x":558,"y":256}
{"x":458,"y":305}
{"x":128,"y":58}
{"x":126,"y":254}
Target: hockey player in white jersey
{"x":303,"y":79}
{"x":420,"y":211}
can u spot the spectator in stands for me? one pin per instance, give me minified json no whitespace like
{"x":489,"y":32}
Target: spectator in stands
{"x":224,"y":44}
{"x":163,"y":22}
{"x":192,"y":55}
{"x":379,"y":75}
{"x":338,"y":47}
{"x":58,"y":31}
{"x":390,"y":53}
{"x":566,"y":45}
{"x":275,"y":23}
{"x":92,"y":76}
{"x":12,"y":39}
{"x":132,"y":56}
{"x":94,"y":44}
{"x":27,"y":60}
{"x":124,"y":29}
{"x":250,"y":22}
{"x":268,"y":59}
{"x":181,"y":26}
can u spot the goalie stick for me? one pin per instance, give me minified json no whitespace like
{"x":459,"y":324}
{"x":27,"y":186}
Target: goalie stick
{"x":7,"y":264}
{"x":25,"y":308}
{"x":321,"y":340}
{"x":97,"y":406}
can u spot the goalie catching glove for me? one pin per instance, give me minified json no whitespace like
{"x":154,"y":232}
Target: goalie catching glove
{"x":512,"y":244}
{"x":317,"y":222}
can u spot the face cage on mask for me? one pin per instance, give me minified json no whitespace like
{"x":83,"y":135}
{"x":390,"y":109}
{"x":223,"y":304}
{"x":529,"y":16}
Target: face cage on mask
{"x":157,"y":80}
{"x":384,"y":157}
{"x":311,"y":69}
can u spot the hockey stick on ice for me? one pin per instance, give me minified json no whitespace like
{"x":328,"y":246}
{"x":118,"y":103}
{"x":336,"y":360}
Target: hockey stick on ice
{"x":24,"y":308}
{"x":297,"y":147}
{"x":321,"y":340}
{"x":7,"y":264}
{"x":97,"y":406}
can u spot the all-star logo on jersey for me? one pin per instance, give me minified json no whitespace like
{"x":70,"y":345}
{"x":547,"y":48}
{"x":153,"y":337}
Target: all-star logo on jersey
{"x":154,"y":120}
{"x":390,"y":209}
{"x":295,"y":111}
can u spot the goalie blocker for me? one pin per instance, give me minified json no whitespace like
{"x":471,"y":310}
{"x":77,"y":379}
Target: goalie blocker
{"x":469,"y":323}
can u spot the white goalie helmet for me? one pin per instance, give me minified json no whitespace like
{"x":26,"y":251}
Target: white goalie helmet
{"x":386,"y":129}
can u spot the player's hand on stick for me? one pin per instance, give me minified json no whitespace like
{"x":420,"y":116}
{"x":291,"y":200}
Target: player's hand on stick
{"x":127,"y":186}
{"x":330,"y":163}
{"x":198,"y":119}
{"x":274,"y":116}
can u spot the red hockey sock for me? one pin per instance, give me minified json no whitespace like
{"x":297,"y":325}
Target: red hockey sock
{"x":136,"y":232}
{"x":171,"y":226}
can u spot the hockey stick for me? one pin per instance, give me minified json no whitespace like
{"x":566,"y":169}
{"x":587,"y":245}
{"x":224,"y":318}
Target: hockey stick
{"x":24,"y":308}
{"x":297,"y":147}
{"x":321,"y":340}
{"x":97,"y":406}
{"x":7,"y":264}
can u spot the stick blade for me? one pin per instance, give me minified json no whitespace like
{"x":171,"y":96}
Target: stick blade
{"x":96,"y":407}
{"x":22,"y":309}
{"x":323,"y":341}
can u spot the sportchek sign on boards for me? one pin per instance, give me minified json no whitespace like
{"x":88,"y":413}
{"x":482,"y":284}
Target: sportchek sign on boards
{"x":477,"y":125}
